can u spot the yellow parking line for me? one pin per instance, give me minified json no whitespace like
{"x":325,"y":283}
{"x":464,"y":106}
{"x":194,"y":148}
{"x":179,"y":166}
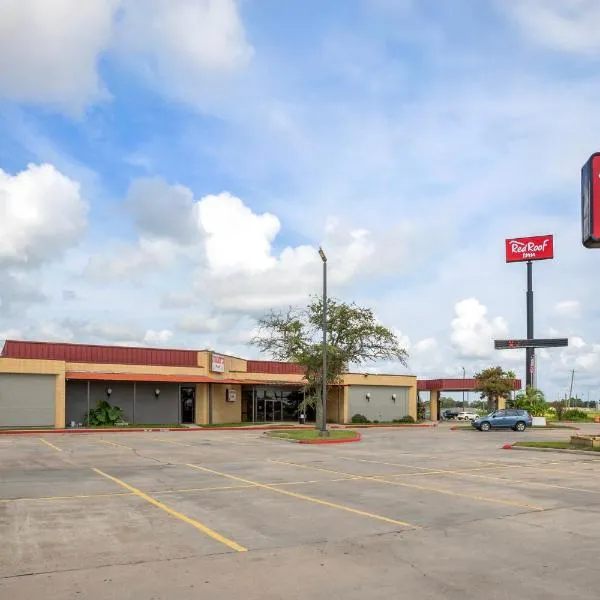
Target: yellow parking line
{"x":116,"y":444}
{"x":307,"y":498}
{"x":201,"y":527}
{"x":51,"y":445}
{"x":379,"y":479}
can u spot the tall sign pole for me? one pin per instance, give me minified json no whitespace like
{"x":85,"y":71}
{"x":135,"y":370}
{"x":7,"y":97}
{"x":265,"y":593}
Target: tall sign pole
{"x":530,"y":352}
{"x":590,"y":202}
{"x":527,"y":250}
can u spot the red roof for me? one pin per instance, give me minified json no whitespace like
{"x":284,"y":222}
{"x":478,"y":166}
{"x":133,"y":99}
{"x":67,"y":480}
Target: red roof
{"x":274,"y":368}
{"x":86,"y":353}
{"x":454,"y":385}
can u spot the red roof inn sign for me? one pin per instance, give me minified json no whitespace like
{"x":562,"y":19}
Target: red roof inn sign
{"x":538,"y":247}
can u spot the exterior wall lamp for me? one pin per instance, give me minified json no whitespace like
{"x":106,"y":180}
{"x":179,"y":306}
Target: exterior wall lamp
{"x":394,"y":397}
{"x":368,"y":396}
{"x":108,"y":392}
{"x":157,"y":393}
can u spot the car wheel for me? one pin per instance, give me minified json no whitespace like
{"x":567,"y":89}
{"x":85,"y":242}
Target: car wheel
{"x":520,"y":426}
{"x":485,"y":426}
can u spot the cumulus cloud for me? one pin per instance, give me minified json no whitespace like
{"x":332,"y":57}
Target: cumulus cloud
{"x":425,"y":346}
{"x":473,"y":332}
{"x":42,"y":213}
{"x":157,"y":337}
{"x":49,"y":50}
{"x":567,"y":308}
{"x":567,"y":25}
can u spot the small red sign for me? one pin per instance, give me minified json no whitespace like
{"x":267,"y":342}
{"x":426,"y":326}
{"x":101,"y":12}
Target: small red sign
{"x":538,"y":247}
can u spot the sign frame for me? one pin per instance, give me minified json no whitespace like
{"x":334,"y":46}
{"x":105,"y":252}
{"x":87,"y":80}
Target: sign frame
{"x":590,"y":202}
{"x":231,"y":395}
{"x":217,"y":363}
{"x":534,"y":247}
{"x":533,"y":343}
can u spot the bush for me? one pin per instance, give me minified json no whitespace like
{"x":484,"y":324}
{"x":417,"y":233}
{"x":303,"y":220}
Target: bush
{"x":104,"y":414}
{"x":575,"y":414}
{"x":359,"y":419}
{"x":406,"y":419}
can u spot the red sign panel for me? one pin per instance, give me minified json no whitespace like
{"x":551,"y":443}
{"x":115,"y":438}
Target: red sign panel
{"x":590,"y":202}
{"x":538,"y":247}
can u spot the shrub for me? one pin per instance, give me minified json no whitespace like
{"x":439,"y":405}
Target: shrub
{"x":357,"y":418}
{"x":405,"y":419}
{"x":574,"y":414}
{"x":104,"y":414}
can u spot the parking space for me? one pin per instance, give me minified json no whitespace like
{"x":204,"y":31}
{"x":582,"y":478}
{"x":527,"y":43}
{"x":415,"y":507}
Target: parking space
{"x":434,"y":512}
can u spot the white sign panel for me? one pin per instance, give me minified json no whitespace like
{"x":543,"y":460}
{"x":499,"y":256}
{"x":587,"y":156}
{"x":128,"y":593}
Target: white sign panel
{"x":231,"y":396}
{"x":217,"y":364}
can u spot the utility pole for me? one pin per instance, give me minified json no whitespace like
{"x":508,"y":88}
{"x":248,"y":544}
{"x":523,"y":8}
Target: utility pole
{"x":324,"y":376}
{"x":464,"y":375}
{"x":571,"y":388}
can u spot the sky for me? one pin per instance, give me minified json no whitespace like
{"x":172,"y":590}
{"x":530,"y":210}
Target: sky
{"x":169,"y":168}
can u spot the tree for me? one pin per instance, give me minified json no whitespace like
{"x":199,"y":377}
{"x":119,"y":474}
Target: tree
{"x":494,"y":383}
{"x":531,"y":400}
{"x":353,"y":337}
{"x":446,"y":402}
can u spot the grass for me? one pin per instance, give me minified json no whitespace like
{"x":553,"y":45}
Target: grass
{"x":554,"y":445}
{"x":311,"y":434}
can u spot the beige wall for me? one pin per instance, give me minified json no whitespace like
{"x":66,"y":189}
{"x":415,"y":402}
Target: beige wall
{"x":335,"y":404}
{"x":202,"y":404}
{"x":223,"y":411}
{"x":140,"y":369}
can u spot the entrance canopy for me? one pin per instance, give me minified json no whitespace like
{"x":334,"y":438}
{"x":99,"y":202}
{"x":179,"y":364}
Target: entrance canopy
{"x":453,"y":385}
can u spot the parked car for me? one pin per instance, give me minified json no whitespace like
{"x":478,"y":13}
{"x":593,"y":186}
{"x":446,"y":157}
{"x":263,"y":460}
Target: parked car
{"x":510,"y":418}
{"x":450,"y":414}
{"x":467,"y":416}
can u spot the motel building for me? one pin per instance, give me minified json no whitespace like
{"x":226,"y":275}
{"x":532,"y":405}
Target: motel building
{"x":55,"y":385}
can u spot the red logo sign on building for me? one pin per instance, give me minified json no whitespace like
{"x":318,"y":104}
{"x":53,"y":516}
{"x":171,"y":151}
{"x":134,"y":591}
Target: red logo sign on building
{"x":538,"y":247}
{"x":590,"y":202}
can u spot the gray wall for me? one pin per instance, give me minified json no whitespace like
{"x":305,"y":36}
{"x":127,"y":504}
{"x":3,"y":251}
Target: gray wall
{"x":27,"y":400}
{"x":147,"y":408}
{"x":380,"y":407}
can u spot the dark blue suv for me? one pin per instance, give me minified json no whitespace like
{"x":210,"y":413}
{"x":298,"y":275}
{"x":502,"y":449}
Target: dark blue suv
{"x":512,"y":418}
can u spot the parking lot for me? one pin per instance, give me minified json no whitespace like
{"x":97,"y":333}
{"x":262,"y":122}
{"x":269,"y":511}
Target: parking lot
{"x":415,"y":513}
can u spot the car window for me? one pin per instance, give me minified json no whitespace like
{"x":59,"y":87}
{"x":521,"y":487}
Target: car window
{"x":512,"y":413}
{"x":500,"y":413}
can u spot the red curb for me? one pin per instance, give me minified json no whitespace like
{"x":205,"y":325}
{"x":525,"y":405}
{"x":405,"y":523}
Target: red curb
{"x":507,"y":447}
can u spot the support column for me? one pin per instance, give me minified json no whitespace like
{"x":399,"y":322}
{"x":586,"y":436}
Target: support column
{"x":530,"y":352}
{"x":501,"y":403}
{"x":434,"y":399}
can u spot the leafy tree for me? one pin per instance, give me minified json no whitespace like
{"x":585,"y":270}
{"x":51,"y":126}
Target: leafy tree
{"x":421,"y":408}
{"x":353,"y":337}
{"x":446,"y":402}
{"x":532,"y":400}
{"x":494,"y":383}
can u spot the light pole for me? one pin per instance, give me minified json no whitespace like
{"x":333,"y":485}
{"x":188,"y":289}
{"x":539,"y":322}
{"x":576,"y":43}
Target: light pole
{"x":464,"y":375}
{"x":324,"y":390}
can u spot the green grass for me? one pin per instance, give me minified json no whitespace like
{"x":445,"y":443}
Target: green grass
{"x":554,"y":445}
{"x":311,"y":434}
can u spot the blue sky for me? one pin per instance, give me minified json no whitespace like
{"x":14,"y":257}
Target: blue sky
{"x":169,"y":167}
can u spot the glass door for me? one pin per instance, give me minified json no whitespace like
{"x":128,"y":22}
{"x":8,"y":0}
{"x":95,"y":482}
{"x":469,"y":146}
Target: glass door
{"x":188,"y":404}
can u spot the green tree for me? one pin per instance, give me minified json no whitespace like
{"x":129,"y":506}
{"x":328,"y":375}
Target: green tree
{"x":494,"y":383}
{"x":354,"y":337}
{"x":532,"y":400}
{"x":446,"y":402}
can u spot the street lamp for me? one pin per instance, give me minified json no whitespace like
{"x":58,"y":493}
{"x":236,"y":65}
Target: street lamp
{"x":324,"y":390}
{"x":464,"y":375}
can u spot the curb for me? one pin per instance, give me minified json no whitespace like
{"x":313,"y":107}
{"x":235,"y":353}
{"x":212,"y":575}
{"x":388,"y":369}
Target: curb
{"x":356,"y":438}
{"x":149,"y":429}
{"x":562,"y":450}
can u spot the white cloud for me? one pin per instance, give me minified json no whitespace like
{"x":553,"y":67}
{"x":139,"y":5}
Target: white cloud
{"x":183,"y":46}
{"x":425,"y":346}
{"x":157,"y":337}
{"x":49,"y":50}
{"x":197,"y":323}
{"x":42,"y":213}
{"x":567,"y":25}
{"x":236,"y":239}
{"x":472,"y":332}
{"x":567,"y":308}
